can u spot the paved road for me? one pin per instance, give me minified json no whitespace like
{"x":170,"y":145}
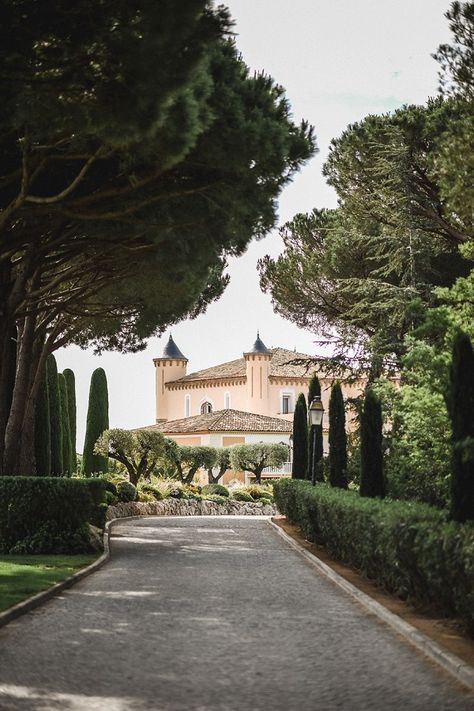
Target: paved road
{"x":218,"y":614}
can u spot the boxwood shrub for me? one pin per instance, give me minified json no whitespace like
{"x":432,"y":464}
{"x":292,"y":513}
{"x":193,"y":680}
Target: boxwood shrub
{"x":407,"y":547}
{"x":48,"y":514}
{"x":217,"y":489}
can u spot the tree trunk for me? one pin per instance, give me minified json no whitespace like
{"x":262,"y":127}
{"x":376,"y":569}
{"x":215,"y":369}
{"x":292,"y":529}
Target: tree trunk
{"x":258,"y":473}
{"x":7,"y":379}
{"x":13,"y":432}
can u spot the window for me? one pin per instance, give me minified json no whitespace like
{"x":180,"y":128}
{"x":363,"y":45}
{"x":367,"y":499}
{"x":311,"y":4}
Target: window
{"x":286,"y":404}
{"x":206,"y":408}
{"x":187,"y":405}
{"x":227,"y":401}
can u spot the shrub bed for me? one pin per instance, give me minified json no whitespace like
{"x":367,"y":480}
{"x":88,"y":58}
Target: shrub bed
{"x":407,"y":547}
{"x":48,"y":514}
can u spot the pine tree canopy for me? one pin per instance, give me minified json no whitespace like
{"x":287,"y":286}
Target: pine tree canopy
{"x":126,"y":182}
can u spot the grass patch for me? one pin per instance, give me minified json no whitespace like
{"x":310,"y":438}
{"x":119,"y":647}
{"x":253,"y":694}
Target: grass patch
{"x":24,"y":575}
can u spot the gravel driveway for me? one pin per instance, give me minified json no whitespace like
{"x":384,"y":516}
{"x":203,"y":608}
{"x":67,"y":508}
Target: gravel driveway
{"x":197,"y":614}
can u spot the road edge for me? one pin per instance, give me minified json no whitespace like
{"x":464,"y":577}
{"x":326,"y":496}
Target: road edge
{"x":21,"y":608}
{"x":452,"y":664}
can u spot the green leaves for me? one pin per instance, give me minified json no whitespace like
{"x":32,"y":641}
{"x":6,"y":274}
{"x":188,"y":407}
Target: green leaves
{"x":406,"y":547}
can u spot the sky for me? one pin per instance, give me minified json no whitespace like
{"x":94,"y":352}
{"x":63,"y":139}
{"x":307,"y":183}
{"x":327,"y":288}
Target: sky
{"x":338,"y":62}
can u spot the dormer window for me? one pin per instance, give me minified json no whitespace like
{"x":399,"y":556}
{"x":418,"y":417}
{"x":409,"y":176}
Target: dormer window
{"x":206,"y":408}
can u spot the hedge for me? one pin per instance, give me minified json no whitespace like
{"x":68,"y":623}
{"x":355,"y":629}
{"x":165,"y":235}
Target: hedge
{"x":407,"y":547}
{"x":48,"y":514}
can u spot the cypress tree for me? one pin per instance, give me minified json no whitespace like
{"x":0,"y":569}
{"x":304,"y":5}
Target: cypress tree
{"x":43,"y":429}
{"x":71,"y":404}
{"x":317,"y":475}
{"x":461,"y":411}
{"x":299,"y":467}
{"x":65,"y":425}
{"x":371,"y":456}
{"x":337,"y":439}
{"x":97,"y":422}
{"x":55,"y":417}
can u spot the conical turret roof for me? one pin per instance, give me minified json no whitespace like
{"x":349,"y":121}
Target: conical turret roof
{"x":259,"y":346}
{"x":171,"y":350}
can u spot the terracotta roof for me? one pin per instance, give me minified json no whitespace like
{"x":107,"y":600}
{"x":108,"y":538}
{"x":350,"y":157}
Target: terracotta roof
{"x":224,"y":421}
{"x":282,"y":365}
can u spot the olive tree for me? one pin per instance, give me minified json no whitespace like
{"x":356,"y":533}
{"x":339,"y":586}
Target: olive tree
{"x":140,"y":451}
{"x":222,"y":464}
{"x":188,"y":460}
{"x":254,"y":458}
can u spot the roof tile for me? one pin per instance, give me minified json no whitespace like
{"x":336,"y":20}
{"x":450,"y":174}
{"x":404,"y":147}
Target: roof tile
{"x":282,"y":365}
{"x":224,"y":421}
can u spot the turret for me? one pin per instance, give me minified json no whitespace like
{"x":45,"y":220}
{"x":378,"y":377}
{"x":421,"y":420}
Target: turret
{"x":257,"y":361}
{"x":171,"y":366}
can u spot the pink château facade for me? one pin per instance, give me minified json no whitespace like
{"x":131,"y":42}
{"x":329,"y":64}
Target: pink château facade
{"x":259,"y":390}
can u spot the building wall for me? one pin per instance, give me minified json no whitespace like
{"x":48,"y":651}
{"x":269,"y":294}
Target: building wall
{"x":172,"y":402}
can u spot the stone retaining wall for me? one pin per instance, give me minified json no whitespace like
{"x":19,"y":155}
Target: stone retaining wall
{"x":189,"y":507}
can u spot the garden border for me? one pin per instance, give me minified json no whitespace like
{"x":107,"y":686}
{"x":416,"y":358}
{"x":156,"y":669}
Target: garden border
{"x":451,"y":663}
{"x":21,"y":608}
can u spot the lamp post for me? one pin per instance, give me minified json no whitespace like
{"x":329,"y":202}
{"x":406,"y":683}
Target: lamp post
{"x":315,"y":417}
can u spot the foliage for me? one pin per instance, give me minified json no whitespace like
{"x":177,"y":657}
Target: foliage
{"x":217,"y":498}
{"x":44,"y":514}
{"x":139,"y":451}
{"x":299,"y":465}
{"x":72,"y":411}
{"x":405,"y":547}
{"x":371,"y":453}
{"x":188,"y":459}
{"x":259,"y":491}
{"x":457,"y":59}
{"x":418,"y":438}
{"x":359,"y":269}
{"x":126,"y":491}
{"x":97,"y":423}
{"x":255,"y":457}
{"x":461,"y":412}
{"x":315,"y":436}
{"x":215,"y":489}
{"x":337,"y":439}
{"x":43,"y":430}
{"x":55,"y":417}
{"x":241,"y":495}
{"x":65,"y":426}
{"x":127,"y":181}
{"x":147,"y":488}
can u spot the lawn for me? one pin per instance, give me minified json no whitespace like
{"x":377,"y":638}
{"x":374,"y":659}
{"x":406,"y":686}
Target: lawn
{"x":25,"y":575}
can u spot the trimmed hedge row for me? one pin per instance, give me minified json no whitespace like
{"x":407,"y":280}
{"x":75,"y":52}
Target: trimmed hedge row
{"x":407,"y":547}
{"x":49,"y":514}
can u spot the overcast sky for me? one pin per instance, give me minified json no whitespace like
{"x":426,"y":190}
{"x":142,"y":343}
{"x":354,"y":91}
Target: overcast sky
{"x":338,"y":62}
